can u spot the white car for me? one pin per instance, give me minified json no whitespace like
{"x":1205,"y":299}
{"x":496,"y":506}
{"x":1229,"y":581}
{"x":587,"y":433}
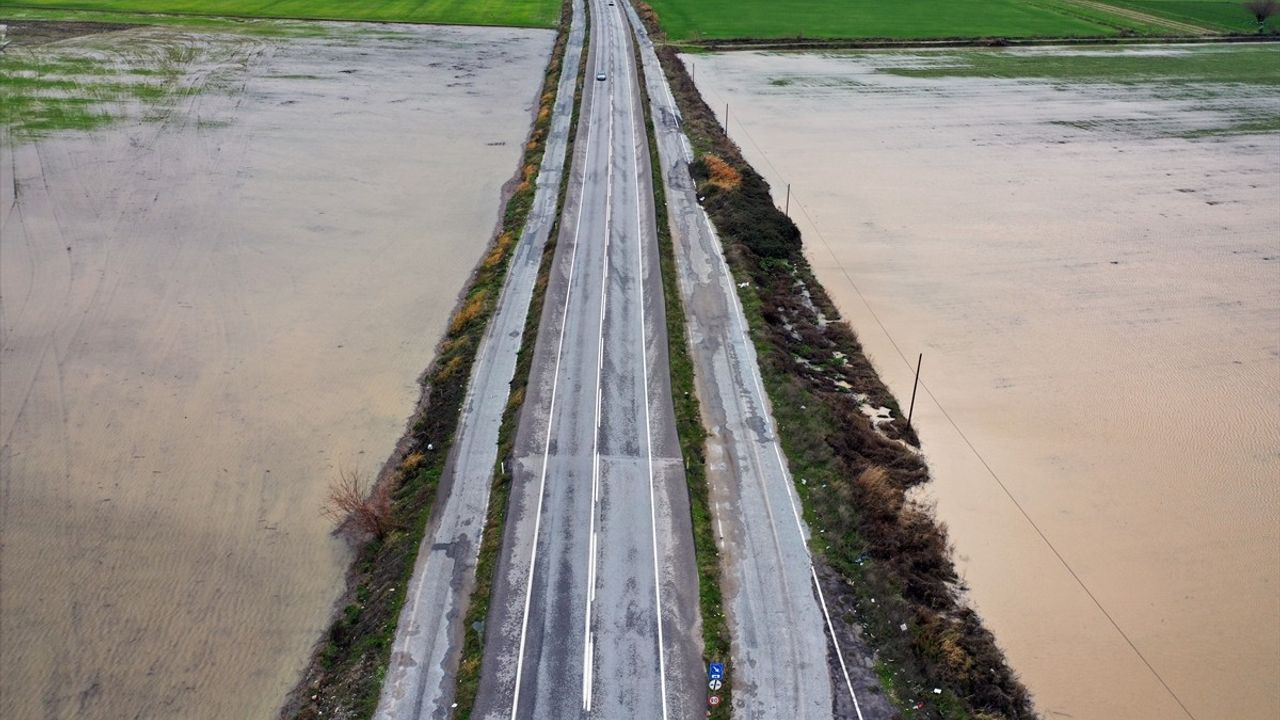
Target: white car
{"x":599,"y":76}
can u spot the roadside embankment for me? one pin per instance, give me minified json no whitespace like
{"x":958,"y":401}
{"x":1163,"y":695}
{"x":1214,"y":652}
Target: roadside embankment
{"x":882,"y":559}
{"x":468,"y":677}
{"x":349,"y":665}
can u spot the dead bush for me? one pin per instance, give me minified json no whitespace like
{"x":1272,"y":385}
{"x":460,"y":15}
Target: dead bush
{"x":352,"y":502}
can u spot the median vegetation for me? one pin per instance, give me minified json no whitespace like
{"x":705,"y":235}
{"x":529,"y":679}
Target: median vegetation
{"x":690,"y":430}
{"x":883,"y":560}
{"x":470,"y":664}
{"x":345,"y":674}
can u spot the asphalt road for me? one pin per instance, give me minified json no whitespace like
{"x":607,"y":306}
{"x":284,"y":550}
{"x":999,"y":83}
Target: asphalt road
{"x":783,"y":664}
{"x":420,"y":677}
{"x":594,"y":612}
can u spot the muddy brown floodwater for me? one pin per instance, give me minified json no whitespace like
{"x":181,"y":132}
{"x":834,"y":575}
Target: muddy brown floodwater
{"x":209,"y":307}
{"x":1095,"y":286}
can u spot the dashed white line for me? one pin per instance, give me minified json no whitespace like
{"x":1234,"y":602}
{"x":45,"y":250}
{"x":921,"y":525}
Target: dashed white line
{"x":588,"y":641}
{"x":644,"y":366}
{"x":546,"y":449}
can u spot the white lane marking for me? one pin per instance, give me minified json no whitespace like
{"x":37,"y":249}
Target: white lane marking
{"x":839,"y":655}
{"x":754,"y":370}
{"x":551,"y":412}
{"x":644,"y":367}
{"x":588,"y":642}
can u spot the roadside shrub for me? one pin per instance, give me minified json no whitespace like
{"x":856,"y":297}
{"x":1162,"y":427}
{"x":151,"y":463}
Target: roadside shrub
{"x":468,"y":312}
{"x":351,"y":502}
{"x":738,"y":201}
{"x":720,"y":173}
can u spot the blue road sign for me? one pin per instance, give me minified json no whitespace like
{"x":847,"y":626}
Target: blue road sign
{"x":716,"y":671}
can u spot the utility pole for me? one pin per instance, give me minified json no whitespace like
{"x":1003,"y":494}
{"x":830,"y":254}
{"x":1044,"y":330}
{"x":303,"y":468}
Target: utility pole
{"x":911,"y":412}
{"x":787,"y":212}
{"x":726,"y":118}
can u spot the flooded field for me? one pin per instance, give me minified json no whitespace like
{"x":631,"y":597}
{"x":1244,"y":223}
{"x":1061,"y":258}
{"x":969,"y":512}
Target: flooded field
{"x":1085,"y":245}
{"x":211,"y":301}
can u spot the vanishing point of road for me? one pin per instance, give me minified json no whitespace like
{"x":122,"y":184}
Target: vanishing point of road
{"x":594,"y":612}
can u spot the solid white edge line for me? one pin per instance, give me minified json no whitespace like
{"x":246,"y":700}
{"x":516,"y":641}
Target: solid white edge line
{"x":754,"y":370}
{"x":546,"y":449}
{"x":739,"y":317}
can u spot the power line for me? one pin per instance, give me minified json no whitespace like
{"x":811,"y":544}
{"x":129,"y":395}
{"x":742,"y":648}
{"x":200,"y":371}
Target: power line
{"x":1079,"y":581}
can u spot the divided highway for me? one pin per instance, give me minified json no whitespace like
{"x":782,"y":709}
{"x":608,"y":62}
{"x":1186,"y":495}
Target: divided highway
{"x":594,"y":612}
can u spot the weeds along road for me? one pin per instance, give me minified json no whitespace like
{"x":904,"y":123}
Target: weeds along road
{"x":424,"y":657}
{"x":594,"y":607}
{"x":781,"y":665}
{"x":594,"y":611}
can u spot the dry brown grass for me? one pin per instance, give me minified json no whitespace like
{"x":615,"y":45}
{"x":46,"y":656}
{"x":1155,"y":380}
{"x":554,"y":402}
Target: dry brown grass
{"x":411,"y":462}
{"x":722,"y":174}
{"x":499,"y":251}
{"x":879,"y":492}
{"x":448,"y":370}
{"x":470,"y":311}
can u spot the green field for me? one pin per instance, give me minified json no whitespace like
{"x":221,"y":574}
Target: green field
{"x":518,"y":13}
{"x":686,"y":20}
{"x":1224,"y":15}
{"x":898,"y":19}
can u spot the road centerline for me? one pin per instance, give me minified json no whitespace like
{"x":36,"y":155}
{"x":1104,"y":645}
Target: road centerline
{"x":546,"y":450}
{"x":588,"y":660}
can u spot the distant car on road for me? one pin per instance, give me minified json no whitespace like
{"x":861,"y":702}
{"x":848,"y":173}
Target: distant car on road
{"x":599,"y":76}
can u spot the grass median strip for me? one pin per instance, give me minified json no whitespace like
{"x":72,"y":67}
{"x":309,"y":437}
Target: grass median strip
{"x":470,"y":665}
{"x":689,"y":428}
{"x":345,"y":675}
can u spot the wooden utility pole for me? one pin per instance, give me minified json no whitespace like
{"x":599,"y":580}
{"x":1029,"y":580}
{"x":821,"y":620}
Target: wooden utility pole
{"x":787,"y":212}
{"x":911,"y":412}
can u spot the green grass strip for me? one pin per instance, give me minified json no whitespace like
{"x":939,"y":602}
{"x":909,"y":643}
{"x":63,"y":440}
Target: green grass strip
{"x":471,"y":662}
{"x":689,"y":428}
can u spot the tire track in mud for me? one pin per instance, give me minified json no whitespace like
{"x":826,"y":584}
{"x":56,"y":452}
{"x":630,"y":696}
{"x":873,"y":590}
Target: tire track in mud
{"x":1147,"y":18}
